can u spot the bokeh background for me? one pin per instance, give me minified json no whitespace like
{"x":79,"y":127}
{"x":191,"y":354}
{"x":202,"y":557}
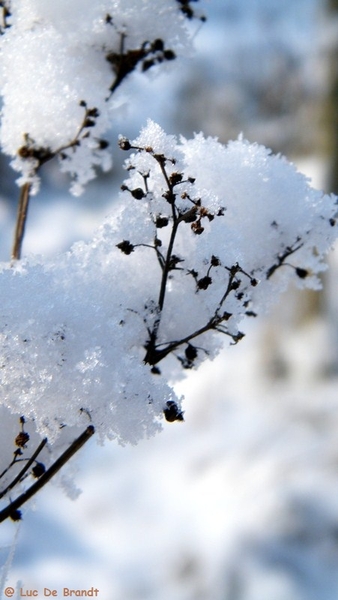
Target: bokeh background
{"x":239,"y":502}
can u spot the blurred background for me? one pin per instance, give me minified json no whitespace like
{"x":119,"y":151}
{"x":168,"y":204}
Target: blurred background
{"x":239,"y":502}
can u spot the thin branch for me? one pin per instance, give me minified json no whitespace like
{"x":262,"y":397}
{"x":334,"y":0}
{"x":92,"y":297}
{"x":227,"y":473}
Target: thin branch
{"x":167,"y":262}
{"x":228,"y":290}
{"x":166,"y":268}
{"x":42,"y":156}
{"x":281,"y":258}
{"x":154,"y":355}
{"x":21,"y":221}
{"x":25,"y":468}
{"x":47,"y":476}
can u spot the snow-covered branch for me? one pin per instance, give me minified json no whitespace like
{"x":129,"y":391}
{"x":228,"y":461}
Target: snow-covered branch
{"x":204,"y":237}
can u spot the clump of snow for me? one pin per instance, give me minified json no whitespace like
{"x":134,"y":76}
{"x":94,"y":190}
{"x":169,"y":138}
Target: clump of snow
{"x":56,"y":56}
{"x":204,"y":236}
{"x":64,"y":352}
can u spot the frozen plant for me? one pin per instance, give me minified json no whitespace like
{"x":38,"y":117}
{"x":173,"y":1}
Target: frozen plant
{"x":204,"y":237}
{"x":62,"y":69}
{"x":65,"y":70}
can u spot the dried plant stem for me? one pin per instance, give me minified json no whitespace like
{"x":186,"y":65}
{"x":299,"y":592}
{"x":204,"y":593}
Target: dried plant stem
{"x":21,"y":220}
{"x":25,"y":469}
{"x":47,"y":476}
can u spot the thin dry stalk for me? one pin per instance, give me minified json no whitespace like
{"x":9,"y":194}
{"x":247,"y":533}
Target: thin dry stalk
{"x":21,"y":221}
{"x":11,"y":509}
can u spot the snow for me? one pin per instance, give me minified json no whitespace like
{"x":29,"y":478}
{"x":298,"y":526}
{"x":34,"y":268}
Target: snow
{"x":45,"y":109}
{"x":241,"y":494}
{"x":115,"y":301}
{"x":238,"y":502}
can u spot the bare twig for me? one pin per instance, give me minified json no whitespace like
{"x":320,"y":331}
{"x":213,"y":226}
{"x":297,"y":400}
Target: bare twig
{"x":25,"y":468}
{"x":282,"y":257}
{"x":41,"y":156}
{"x":21,"y":221}
{"x":47,"y":476}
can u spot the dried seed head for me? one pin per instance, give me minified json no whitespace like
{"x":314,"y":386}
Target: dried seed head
{"x":169,"y":197}
{"x":89,"y":122}
{"x":190,"y":352}
{"x":175,"y":178}
{"x":103,"y":144}
{"x":22,"y":439}
{"x":161,"y":221}
{"x":197,"y":227}
{"x":16,"y":515}
{"x":172,"y":412}
{"x":38,"y":470}
{"x":126,"y":247}
{"x":137,"y":193}
{"x":93,"y":112}
{"x":215,"y":261}
{"x":302,"y":273}
{"x":158,"y":45}
{"x":124,"y":144}
{"x":204,"y":282}
{"x":169,"y":55}
{"x":25,"y":152}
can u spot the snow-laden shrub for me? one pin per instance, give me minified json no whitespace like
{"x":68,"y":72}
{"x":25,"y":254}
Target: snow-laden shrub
{"x":62,"y":65}
{"x":204,"y":237}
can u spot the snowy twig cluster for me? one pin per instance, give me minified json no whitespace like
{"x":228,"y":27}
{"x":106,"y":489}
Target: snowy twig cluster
{"x":224,"y":220}
{"x":62,"y":64}
{"x":204,"y":235}
{"x":62,"y":68}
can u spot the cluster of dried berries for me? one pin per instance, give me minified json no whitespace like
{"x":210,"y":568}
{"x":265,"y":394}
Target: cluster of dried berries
{"x":172,"y":412}
{"x":185,"y":208}
{"x":126,"y":61}
{"x":187,"y":10}
{"x":40,"y":155}
{"x":31,"y":150}
{"x":31,"y":466}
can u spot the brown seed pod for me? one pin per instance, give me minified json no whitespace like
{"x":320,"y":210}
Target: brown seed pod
{"x":22,"y":439}
{"x":16,"y":515}
{"x":172,"y":412}
{"x":38,"y":470}
{"x":126,"y":247}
